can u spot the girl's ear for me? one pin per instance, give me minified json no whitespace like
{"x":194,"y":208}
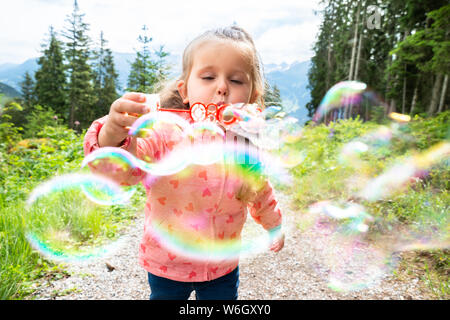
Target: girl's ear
{"x":182,"y":90}
{"x":254,"y":96}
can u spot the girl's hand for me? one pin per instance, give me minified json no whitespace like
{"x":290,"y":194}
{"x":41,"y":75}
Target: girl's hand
{"x":277,"y":242}
{"x":122,"y":114}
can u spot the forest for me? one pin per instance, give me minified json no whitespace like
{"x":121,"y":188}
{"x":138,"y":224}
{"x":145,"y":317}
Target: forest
{"x":398,"y":48}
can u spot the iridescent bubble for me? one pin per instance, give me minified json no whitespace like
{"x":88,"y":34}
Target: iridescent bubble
{"x":347,"y":99}
{"x":399,"y":175}
{"x":207,"y":131}
{"x":352,"y":150}
{"x":289,"y":157}
{"x":290,"y":130}
{"x":269,"y":134}
{"x":358,"y":265}
{"x":249,"y":119}
{"x":98,"y":189}
{"x":357,"y":219}
{"x":107,"y":159}
{"x":187,"y":235}
{"x":343,"y":253}
{"x":164,"y":123}
{"x":58,"y":246}
{"x":186,"y":238}
{"x":207,"y":140}
{"x":271,"y":112}
{"x":112,"y":162}
{"x":66,"y":212}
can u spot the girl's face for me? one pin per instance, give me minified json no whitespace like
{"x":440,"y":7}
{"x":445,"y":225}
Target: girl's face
{"x":220,"y":74}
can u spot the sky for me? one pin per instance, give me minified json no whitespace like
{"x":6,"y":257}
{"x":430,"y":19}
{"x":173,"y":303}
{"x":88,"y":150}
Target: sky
{"x":283,"y":30}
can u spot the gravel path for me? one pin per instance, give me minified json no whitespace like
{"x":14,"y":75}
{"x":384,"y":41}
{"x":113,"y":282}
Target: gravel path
{"x":297,"y":272}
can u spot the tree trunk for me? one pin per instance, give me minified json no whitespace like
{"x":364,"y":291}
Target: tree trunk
{"x":355,"y":40}
{"x":327,"y":84}
{"x":358,"y":57}
{"x":434,"y":95}
{"x":414,"y":99}
{"x":348,"y":107}
{"x":367,"y":116}
{"x":404,"y":95}
{"x":392,"y":106}
{"x":443,"y":93}
{"x":405,"y":35}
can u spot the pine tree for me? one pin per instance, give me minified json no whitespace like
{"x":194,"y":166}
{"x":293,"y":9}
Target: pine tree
{"x":321,"y":73}
{"x":272,"y":96}
{"x":17,"y":109}
{"x":404,"y":58}
{"x":50,"y":77}
{"x":162,"y":67}
{"x":105,"y":78}
{"x":146,"y":71}
{"x":27,"y":87}
{"x":80,"y":89}
{"x":422,"y":57}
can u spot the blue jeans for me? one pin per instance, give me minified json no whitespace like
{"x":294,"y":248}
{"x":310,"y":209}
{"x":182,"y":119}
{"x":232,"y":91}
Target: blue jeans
{"x":223,"y":288}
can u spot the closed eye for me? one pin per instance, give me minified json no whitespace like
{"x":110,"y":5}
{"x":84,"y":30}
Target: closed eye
{"x":237,"y":81}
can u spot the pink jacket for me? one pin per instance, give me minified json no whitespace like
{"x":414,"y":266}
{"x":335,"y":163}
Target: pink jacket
{"x":201,"y":205}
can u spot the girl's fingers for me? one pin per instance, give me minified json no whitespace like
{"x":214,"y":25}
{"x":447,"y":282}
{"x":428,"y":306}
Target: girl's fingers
{"x":134,"y":96}
{"x":124,"y":120}
{"x":130,"y":107}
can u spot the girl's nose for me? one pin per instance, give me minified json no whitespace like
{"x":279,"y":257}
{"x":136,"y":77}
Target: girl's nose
{"x":222,"y":88}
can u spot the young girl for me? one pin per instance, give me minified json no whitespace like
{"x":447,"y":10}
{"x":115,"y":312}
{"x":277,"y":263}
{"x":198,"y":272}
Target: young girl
{"x":220,"y":66}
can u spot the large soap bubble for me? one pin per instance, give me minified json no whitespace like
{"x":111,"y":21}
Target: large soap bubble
{"x":66,"y":212}
{"x":348,"y":99}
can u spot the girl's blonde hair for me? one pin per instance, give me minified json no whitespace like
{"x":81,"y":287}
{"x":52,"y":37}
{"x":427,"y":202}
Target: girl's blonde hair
{"x":169,"y":95}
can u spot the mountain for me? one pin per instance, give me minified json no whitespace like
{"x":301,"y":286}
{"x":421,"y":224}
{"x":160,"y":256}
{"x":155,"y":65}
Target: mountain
{"x":291,"y":79}
{"x":8,"y":91}
{"x":13,"y":74}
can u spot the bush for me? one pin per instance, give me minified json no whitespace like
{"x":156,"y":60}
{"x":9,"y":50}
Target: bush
{"x":39,"y":118}
{"x":9,"y":132}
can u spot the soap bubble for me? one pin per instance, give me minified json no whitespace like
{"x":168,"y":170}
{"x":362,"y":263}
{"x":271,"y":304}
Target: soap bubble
{"x":98,"y":189}
{"x":188,"y":238}
{"x":347,"y":99}
{"x":271,"y":112}
{"x":66,"y":212}
{"x":165,"y":123}
{"x":268,"y":130}
{"x":343,"y":254}
{"x":207,"y":139}
{"x":404,"y":172}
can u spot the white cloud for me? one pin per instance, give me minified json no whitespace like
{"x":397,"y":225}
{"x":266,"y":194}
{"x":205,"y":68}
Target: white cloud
{"x":287,"y":43}
{"x":172,"y":23}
